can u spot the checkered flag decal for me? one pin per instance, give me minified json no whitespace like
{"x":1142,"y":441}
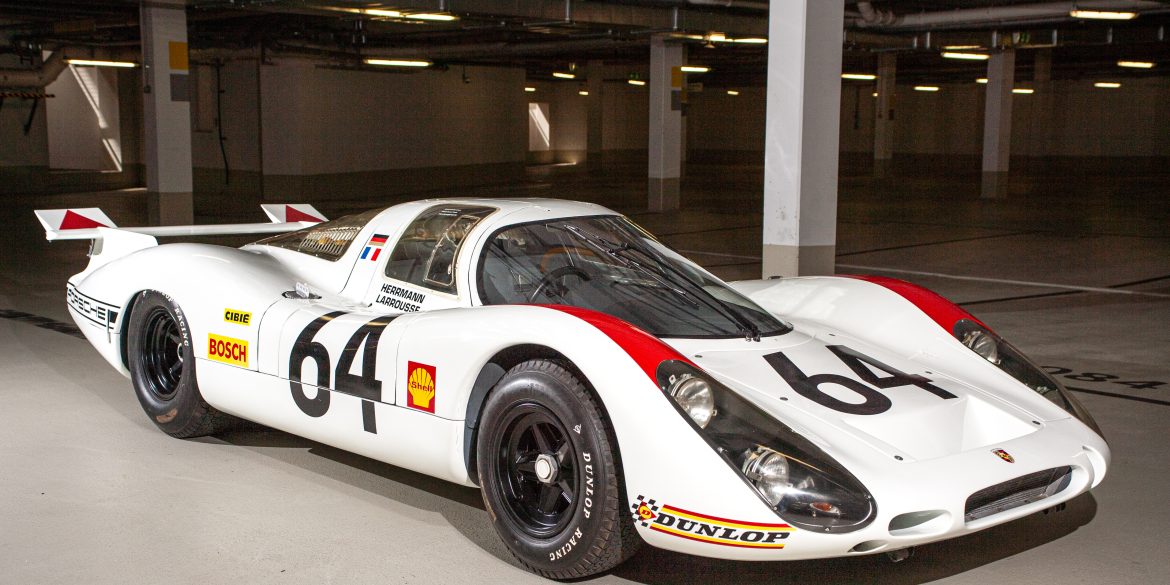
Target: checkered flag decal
{"x":641,"y":507}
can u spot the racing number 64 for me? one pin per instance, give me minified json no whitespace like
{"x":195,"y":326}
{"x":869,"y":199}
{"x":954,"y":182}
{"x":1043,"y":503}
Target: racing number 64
{"x":875,"y":402}
{"x":365,"y":386}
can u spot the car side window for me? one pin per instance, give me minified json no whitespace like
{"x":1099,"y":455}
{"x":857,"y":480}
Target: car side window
{"x":425,"y":254}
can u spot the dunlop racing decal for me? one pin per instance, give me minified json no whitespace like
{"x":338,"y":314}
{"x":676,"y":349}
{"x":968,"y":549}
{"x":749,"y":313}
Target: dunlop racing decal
{"x":710,"y":529}
{"x":420,"y":386}
{"x":237,"y":317}
{"x":228,"y":350}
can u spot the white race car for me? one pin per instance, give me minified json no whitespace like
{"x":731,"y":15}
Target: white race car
{"x":599,"y":388}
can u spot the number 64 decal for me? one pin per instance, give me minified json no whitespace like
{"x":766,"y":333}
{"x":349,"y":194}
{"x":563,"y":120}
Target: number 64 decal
{"x":366,"y":386}
{"x":875,"y":402}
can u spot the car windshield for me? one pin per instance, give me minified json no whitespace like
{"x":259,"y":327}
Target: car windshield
{"x":610,"y":265}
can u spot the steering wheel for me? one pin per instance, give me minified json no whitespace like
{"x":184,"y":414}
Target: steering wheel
{"x":555,"y":279}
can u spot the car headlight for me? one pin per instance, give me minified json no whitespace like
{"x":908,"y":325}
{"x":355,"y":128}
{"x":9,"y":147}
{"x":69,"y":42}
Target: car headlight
{"x":1012,"y":361}
{"x":693,"y":395}
{"x":800,"y":482}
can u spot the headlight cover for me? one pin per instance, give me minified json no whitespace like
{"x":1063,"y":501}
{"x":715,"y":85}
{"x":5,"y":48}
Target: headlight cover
{"x":1006,"y":357}
{"x":794,"y":477}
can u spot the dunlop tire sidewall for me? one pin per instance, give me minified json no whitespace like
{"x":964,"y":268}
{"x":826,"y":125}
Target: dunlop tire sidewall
{"x":174,"y":414}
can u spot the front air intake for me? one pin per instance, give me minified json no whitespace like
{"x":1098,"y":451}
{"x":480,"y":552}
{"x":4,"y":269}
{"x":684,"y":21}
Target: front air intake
{"x":1017,"y":492}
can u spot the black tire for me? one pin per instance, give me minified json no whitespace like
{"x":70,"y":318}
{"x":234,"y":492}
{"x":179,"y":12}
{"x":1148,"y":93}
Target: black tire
{"x":161,"y":360}
{"x":540,"y":413}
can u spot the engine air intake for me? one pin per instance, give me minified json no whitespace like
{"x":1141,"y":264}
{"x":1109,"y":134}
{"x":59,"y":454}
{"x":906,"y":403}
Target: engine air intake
{"x":1017,"y":492}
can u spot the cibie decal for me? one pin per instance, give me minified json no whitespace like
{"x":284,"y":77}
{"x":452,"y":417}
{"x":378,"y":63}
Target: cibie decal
{"x":374,"y":247}
{"x":710,"y":529}
{"x":237,"y":317}
{"x":227,"y":350}
{"x":1004,"y":455}
{"x":420,"y":386}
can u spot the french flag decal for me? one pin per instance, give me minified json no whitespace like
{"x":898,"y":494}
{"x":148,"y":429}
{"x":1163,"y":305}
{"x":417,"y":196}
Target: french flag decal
{"x":374,"y":247}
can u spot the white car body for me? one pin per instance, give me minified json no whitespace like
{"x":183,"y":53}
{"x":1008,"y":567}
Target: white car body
{"x":920,"y":459}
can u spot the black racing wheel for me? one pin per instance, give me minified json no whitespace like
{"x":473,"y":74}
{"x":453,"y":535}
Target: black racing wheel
{"x":554,"y":283}
{"x":549,"y":469}
{"x":162,"y":367}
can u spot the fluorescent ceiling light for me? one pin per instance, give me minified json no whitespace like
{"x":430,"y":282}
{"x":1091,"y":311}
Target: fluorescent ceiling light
{"x":635,"y":82}
{"x":859,"y":76}
{"x":981,"y":80}
{"x":717,"y":37}
{"x":967,"y":56}
{"x":98,"y":63}
{"x":1023,"y":90}
{"x":694,"y":69}
{"x":875,"y":94}
{"x":1107,"y":85}
{"x":961,"y":47}
{"x":398,"y":62}
{"x":434,"y":16}
{"x":925,"y":88}
{"x":1102,"y":14}
{"x":732,"y":92}
{"x":564,"y":75}
{"x":583,"y":92}
{"x":382,"y":12}
{"x":751,"y":41}
{"x":530,"y":89}
{"x":1136,"y":64}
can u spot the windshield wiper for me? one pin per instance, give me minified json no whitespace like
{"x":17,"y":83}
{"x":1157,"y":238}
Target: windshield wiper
{"x":672,"y":279}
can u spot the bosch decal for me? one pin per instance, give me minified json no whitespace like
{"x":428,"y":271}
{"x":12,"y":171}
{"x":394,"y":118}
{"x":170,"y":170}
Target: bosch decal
{"x":420,"y":386}
{"x":227,"y":350}
{"x":374,"y":247}
{"x":399,"y":298}
{"x":237,"y":317}
{"x":1004,"y":455}
{"x":710,"y":529}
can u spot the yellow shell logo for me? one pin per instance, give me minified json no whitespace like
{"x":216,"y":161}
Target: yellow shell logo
{"x":421,"y":387}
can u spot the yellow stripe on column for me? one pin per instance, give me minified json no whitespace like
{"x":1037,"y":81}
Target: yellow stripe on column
{"x":178,"y":56}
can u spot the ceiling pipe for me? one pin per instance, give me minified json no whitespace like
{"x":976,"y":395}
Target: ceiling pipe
{"x":1002,"y":15}
{"x":746,"y":5}
{"x":470,"y":51}
{"x":40,"y":77}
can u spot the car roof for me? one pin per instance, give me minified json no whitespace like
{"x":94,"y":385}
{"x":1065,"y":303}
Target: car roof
{"x":515,"y":210}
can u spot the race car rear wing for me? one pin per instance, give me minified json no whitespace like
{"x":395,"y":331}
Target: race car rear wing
{"x":90,"y":223}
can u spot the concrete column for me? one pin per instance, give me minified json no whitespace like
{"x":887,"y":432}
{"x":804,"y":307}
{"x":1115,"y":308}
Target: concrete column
{"x":1044,"y":102}
{"x":997,"y":124}
{"x":801,"y":136}
{"x":883,"y":120}
{"x":666,"y":85}
{"x":595,"y":72}
{"x":166,"y":112}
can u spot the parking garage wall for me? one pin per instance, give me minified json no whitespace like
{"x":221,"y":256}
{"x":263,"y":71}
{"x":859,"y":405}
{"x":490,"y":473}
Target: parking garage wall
{"x":625,"y":124}
{"x":328,"y":134}
{"x":1071,"y":124}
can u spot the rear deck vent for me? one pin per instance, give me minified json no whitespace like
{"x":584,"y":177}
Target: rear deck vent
{"x":1017,"y":492}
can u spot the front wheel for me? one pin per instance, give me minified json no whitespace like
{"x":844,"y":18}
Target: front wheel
{"x":548,"y":465}
{"x":161,"y":360}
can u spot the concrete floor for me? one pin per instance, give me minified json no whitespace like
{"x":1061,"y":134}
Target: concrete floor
{"x":1075,"y":270}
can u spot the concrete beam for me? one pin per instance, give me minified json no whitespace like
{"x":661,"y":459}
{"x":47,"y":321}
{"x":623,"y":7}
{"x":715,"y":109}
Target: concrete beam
{"x":665,"y":146}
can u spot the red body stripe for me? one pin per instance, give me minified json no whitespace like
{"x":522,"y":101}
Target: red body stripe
{"x":292,"y":214}
{"x":718,"y":519}
{"x":645,"y":349}
{"x":76,"y":221}
{"x":942,"y":311}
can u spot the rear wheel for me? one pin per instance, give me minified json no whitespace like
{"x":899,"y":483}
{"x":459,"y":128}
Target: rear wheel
{"x":162,"y":367}
{"x":548,"y":464}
